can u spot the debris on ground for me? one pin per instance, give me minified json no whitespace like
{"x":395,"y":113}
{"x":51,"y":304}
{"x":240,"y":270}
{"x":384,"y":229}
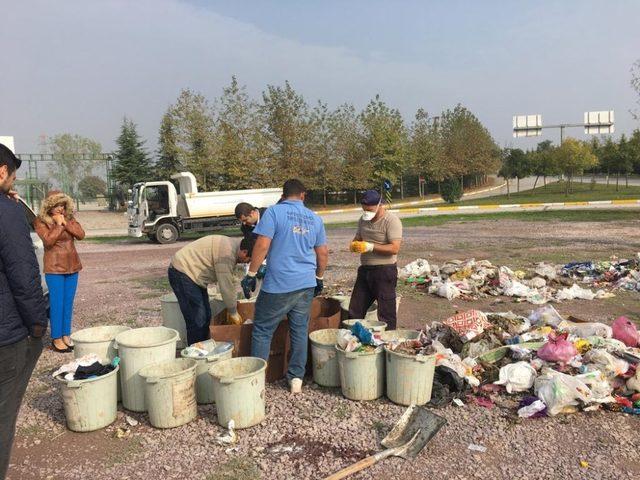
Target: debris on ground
{"x":543,"y":283}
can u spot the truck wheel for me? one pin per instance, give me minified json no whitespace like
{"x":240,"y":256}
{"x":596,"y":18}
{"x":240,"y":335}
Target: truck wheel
{"x":167,"y":233}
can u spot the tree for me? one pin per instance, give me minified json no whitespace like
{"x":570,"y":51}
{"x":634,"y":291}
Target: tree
{"x":90,"y":187}
{"x":238,"y":146}
{"x":451,"y":190}
{"x":195,"y":142}
{"x":286,"y":129}
{"x":132,"y":162}
{"x":384,"y":141}
{"x":543,"y":162}
{"x":74,"y":157}
{"x":634,"y":150}
{"x":323,"y":151}
{"x":624,"y":161}
{"x":425,"y":152}
{"x":168,"y":162}
{"x":467,"y":146}
{"x":573,"y":158}
{"x":520,"y":164}
{"x":347,"y":134}
{"x":607,"y":156}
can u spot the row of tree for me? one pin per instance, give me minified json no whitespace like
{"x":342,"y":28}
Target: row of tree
{"x":574,"y":158}
{"x":236,"y":142}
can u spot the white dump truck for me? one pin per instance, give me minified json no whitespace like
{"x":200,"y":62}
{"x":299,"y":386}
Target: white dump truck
{"x":162,"y":213}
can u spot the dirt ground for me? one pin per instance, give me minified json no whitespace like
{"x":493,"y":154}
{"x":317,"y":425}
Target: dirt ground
{"x":312,"y":435}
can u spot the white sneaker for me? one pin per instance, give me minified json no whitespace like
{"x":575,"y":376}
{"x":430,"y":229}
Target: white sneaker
{"x":295,"y":385}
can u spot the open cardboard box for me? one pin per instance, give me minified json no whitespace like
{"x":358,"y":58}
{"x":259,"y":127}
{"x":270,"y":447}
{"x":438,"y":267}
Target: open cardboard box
{"x":325,"y":313}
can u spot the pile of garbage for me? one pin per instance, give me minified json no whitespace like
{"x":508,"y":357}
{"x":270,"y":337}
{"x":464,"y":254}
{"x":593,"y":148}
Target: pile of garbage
{"x":553,"y":365}
{"x":544,"y":283}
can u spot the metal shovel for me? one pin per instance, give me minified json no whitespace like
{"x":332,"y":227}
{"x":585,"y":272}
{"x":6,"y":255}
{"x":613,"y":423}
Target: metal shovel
{"x":407,"y":438}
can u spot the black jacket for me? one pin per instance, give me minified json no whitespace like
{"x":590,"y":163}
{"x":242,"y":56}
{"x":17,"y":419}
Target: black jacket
{"x":247,"y":230}
{"x":23,"y":309}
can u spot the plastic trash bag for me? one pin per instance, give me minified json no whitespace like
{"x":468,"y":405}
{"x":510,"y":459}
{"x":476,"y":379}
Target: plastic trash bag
{"x":626,"y":331}
{"x":546,"y":315}
{"x":634,"y":382}
{"x":557,"y":349}
{"x":609,"y":344}
{"x":575,"y":292}
{"x":599,"y":385}
{"x":611,"y":366}
{"x":560,"y":392}
{"x":517,"y":377}
{"x":347,"y":341}
{"x":535,"y":409}
{"x":587,"y":329}
{"x":546,"y":271}
{"x":418,"y":268}
{"x":448,"y":290}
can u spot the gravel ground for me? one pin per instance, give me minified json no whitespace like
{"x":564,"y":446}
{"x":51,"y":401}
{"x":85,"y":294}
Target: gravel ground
{"x":318,"y":432}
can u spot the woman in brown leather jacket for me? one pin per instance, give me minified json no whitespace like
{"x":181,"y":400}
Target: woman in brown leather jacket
{"x":58,"y":230}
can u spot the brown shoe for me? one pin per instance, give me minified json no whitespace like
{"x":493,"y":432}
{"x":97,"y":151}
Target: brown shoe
{"x":57,"y":349}
{"x":67,"y":341}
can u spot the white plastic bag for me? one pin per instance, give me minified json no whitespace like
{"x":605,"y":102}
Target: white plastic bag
{"x":559,"y":391}
{"x":347,"y":341}
{"x":517,"y":377}
{"x":448,"y":290}
{"x":634,"y":382}
{"x":575,"y":292}
{"x":588,"y":329}
{"x":599,"y":385}
{"x":546,"y":315}
{"x":417,"y":268}
{"x":611,"y":366}
{"x":531,"y":410}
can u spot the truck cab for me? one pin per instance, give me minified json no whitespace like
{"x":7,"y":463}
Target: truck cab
{"x":153,"y":204}
{"x":163,"y":213}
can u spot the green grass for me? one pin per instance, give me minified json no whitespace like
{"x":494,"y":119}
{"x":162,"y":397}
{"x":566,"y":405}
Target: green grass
{"x":157,"y":283}
{"x":543,"y":216}
{"x":554,"y":192}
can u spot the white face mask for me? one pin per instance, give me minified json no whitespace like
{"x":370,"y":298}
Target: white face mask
{"x":367,"y":216}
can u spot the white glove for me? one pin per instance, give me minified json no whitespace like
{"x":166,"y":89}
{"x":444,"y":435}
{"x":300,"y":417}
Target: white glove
{"x":368,"y":247}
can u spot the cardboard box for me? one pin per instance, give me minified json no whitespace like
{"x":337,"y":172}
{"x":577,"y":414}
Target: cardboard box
{"x":324,"y":313}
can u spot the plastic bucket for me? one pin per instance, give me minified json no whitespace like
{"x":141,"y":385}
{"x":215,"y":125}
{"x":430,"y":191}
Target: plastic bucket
{"x":138,"y":348}
{"x":409,"y":378}
{"x":204,"y":382}
{"x":402,"y":334}
{"x":323,"y":357}
{"x":361,"y":374}
{"x":172,"y":317}
{"x":98,"y":340}
{"x":372,"y":325}
{"x":170,"y":393}
{"x":92,"y":403}
{"x":238,"y":386}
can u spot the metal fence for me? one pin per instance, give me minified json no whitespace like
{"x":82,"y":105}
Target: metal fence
{"x":88,"y":179}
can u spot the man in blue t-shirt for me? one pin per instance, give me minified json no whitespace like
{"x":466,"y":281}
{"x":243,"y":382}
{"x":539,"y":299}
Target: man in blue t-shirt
{"x":293,"y":240}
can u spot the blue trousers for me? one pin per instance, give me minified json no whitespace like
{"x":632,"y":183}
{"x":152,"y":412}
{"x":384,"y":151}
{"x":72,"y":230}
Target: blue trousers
{"x":62,"y":292}
{"x":194,"y":305}
{"x":271,"y":309}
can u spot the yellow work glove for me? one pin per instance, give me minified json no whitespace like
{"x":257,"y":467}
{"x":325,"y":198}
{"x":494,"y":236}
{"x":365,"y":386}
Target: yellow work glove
{"x":234,"y":319}
{"x":361,"y":247}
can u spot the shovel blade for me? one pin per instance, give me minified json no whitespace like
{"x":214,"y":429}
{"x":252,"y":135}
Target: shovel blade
{"x":413,"y":431}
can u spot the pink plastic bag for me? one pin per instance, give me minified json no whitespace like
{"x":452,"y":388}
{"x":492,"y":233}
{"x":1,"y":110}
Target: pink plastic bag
{"x":625,"y":331}
{"x":557,"y":349}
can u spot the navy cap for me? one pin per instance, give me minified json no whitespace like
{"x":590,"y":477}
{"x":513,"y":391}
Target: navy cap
{"x":7,"y":157}
{"x":370,"y":197}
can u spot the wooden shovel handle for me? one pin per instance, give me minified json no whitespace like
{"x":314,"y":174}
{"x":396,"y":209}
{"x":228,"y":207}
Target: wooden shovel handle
{"x":361,"y":465}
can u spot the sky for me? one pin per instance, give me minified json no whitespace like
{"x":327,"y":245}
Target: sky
{"x":80,"y":66}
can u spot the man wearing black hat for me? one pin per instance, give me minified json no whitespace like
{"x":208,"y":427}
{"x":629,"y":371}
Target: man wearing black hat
{"x":377,"y":241}
{"x":23,"y":318}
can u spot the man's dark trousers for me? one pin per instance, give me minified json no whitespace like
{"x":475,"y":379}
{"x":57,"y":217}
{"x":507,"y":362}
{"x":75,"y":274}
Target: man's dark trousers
{"x":17,"y":361}
{"x":194,"y":305}
{"x":375,"y":282}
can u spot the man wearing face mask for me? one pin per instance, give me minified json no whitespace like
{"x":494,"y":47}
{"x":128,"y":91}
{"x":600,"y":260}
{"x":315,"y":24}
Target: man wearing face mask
{"x":378,"y":242}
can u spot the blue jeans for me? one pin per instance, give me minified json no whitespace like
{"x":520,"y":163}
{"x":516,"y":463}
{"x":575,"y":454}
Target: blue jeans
{"x":271,"y":309}
{"x":62,"y":292}
{"x":194,"y":305}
